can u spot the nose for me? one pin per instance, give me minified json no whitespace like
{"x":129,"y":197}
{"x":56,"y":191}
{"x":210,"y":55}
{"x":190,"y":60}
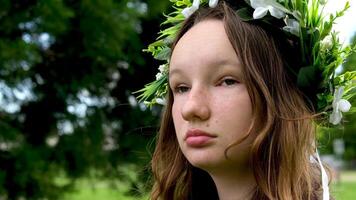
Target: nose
{"x":197,"y":106}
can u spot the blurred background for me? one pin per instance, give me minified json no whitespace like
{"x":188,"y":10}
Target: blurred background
{"x":70,"y":127}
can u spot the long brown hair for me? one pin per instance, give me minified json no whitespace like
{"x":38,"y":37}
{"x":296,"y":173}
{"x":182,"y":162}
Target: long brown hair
{"x":280,"y":154}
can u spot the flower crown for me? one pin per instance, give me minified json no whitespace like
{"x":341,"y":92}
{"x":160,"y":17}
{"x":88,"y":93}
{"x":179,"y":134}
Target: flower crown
{"x":303,"y":20}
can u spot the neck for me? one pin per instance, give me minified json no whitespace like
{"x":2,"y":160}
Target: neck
{"x":235,"y":184}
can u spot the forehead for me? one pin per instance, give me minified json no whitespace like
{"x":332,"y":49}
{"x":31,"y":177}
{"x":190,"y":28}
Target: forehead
{"x":206,"y":43}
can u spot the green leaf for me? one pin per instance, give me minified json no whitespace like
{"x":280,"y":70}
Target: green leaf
{"x":306,"y":76}
{"x":148,"y":93}
{"x":163,"y":54}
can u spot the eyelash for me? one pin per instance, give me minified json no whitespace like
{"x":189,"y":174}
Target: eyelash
{"x":225,"y":80}
{"x":180,"y":89}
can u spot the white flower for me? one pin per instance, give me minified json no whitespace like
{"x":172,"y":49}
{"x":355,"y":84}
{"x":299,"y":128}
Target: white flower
{"x":292,"y":26}
{"x":161,"y":101}
{"x":213,"y":3}
{"x":263,"y":6}
{"x":190,"y":10}
{"x":162,"y":71}
{"x":159,"y":75}
{"x":162,"y":68}
{"x":327,"y":42}
{"x":195,"y":6}
{"x":339,"y":106}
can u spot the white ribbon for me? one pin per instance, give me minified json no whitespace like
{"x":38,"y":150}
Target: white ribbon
{"x":324,"y":179}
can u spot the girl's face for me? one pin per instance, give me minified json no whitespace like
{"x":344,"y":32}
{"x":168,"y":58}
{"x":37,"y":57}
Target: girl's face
{"x":212,"y":108}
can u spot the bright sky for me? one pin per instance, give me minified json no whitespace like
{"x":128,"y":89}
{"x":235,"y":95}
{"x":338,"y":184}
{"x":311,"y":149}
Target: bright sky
{"x":346,"y":25}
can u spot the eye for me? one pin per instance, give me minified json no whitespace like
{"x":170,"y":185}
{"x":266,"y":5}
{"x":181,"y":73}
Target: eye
{"x":180,"y":89}
{"x":228,"y":82}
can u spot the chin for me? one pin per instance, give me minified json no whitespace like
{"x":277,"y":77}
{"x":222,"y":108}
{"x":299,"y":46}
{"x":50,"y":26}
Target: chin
{"x":207,"y":162}
{"x":214,"y":162}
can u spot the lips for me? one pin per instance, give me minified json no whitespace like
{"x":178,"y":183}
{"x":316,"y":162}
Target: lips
{"x":198,"y":138}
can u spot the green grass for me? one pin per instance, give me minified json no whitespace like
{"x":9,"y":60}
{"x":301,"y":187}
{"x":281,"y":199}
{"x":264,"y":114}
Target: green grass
{"x":96,"y":194}
{"x":94,"y":189}
{"x":345,"y":189}
{"x":99,"y":190}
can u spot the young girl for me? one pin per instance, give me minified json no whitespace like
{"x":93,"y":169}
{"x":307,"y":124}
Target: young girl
{"x":237,"y":124}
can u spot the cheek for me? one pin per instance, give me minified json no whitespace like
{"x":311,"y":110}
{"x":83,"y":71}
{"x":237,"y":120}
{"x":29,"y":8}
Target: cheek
{"x":176,"y":115}
{"x":235,"y":113}
{"x":238,"y":106}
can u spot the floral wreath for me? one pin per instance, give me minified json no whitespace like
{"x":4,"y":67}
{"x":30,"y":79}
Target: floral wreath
{"x":302,"y":20}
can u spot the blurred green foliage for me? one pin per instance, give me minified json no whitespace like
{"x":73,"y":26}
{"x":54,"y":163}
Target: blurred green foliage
{"x":347,"y":129}
{"x":67,"y":72}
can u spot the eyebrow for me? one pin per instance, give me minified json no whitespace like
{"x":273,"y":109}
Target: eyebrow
{"x":175,"y":71}
{"x":220,"y":62}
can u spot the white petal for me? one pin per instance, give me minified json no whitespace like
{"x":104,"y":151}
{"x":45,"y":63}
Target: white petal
{"x":293,"y":23}
{"x":276,"y":12}
{"x":260,"y":12}
{"x":327,"y":42}
{"x":292,"y":27}
{"x":162,"y":68}
{"x":277,"y":5}
{"x":344,"y":105}
{"x":159,"y":76}
{"x":287,"y":29}
{"x":335,"y":118}
{"x":196,"y":4}
{"x":257,"y":3}
{"x":295,"y":32}
{"x":338,"y":93}
{"x":188,"y":11}
{"x":213,"y":3}
{"x":291,"y":30}
{"x":161,"y":101}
